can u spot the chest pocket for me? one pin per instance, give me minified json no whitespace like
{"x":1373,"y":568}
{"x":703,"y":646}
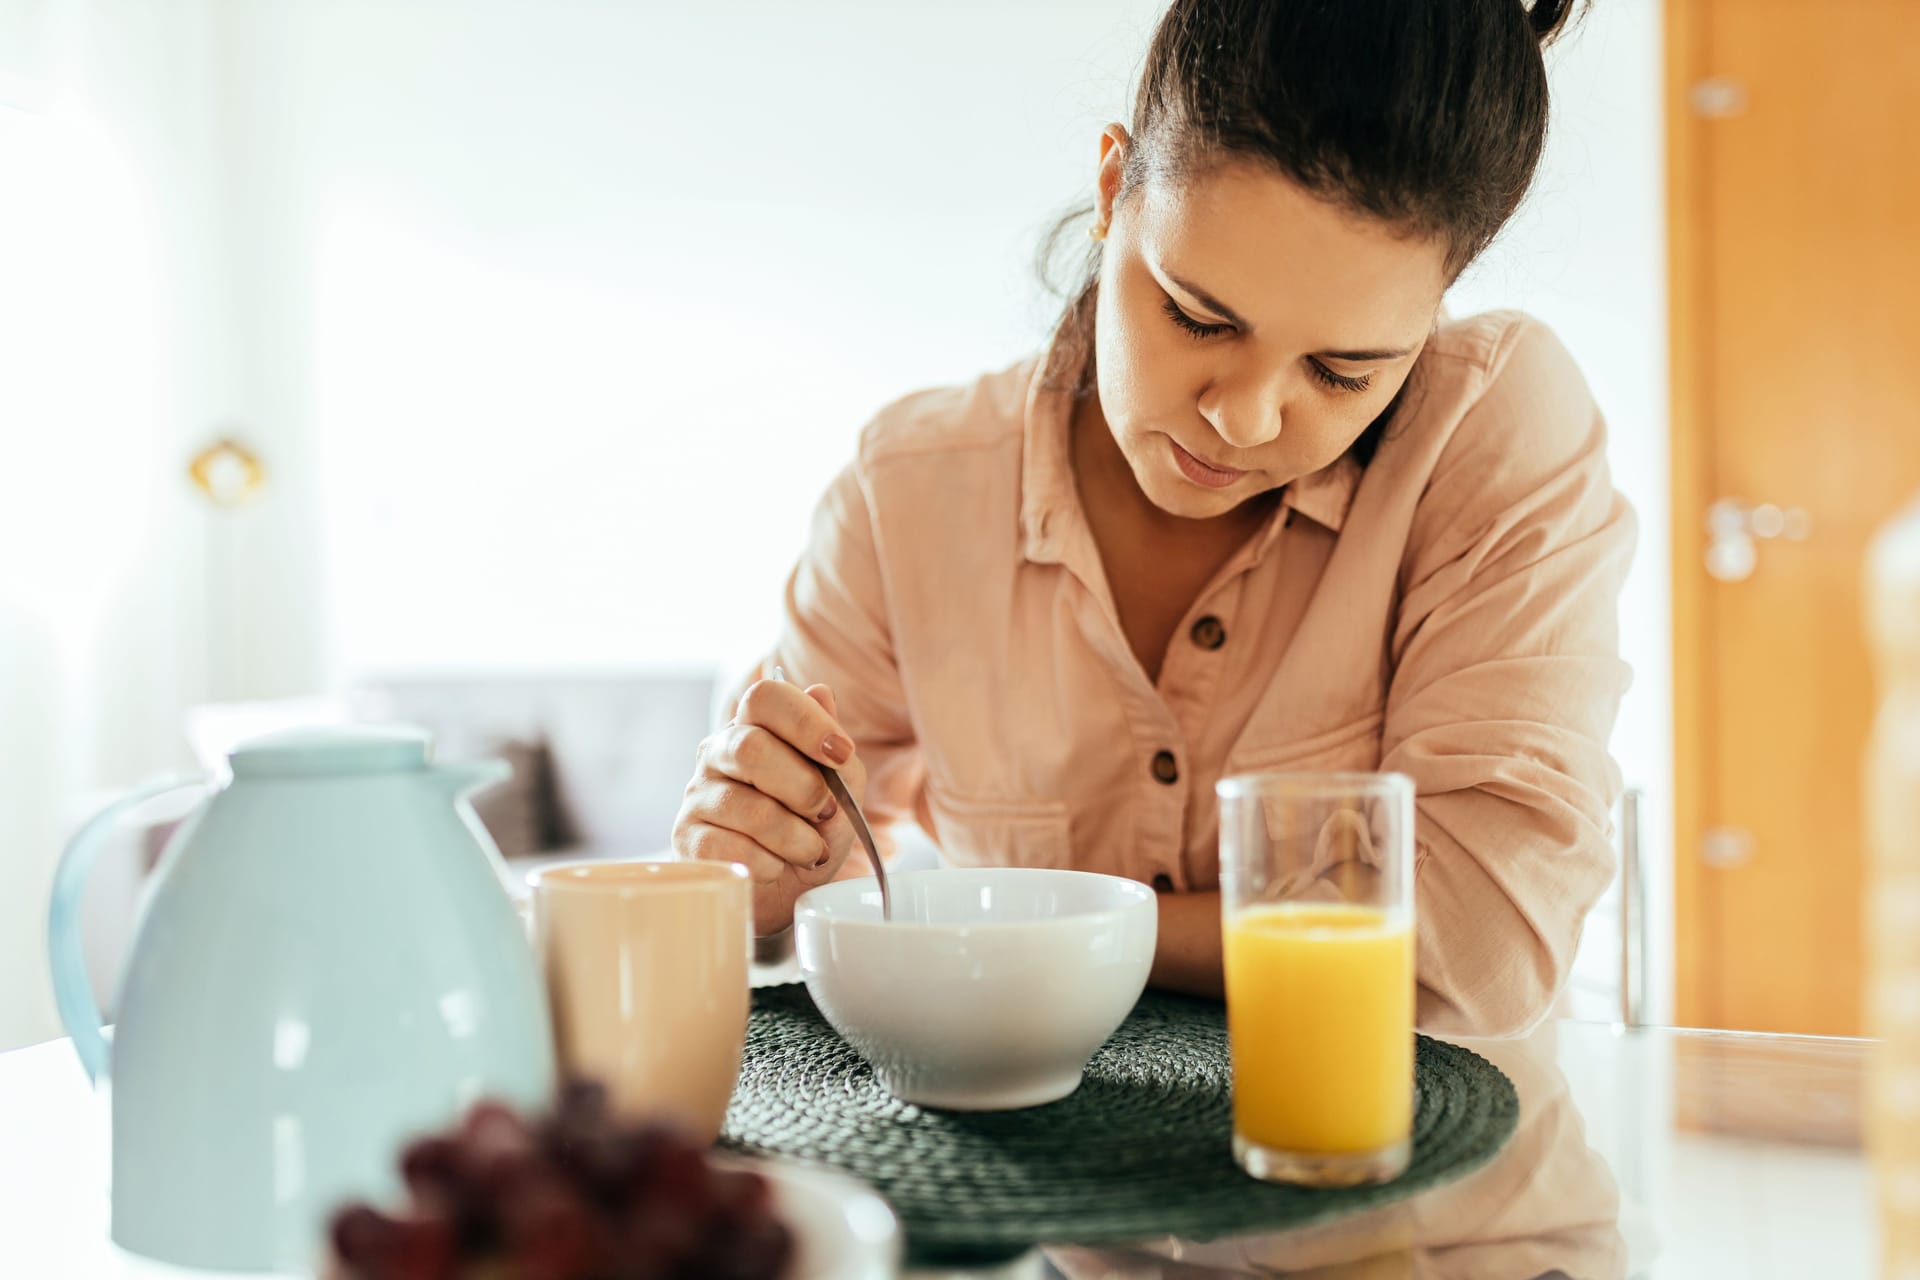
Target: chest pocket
{"x":978,"y":833}
{"x":1353,"y":747}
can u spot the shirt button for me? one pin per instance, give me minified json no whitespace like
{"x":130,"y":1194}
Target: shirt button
{"x":1163,"y":883}
{"x":1208,"y":633}
{"x":1164,"y":767}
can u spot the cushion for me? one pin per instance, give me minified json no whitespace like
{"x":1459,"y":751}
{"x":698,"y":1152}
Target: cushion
{"x":518,"y":812}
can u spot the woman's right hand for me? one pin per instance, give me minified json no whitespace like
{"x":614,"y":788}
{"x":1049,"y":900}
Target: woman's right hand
{"x":757,"y":797}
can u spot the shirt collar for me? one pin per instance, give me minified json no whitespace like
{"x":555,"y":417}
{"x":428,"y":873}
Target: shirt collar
{"x":1049,"y":499}
{"x":1326,"y":496}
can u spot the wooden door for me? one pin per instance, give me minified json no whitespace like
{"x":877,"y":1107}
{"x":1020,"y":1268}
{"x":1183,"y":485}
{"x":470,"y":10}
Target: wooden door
{"x":1794,"y":198}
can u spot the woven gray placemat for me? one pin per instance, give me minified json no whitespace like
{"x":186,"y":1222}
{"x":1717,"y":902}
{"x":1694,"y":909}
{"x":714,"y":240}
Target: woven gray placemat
{"x":1142,"y":1149}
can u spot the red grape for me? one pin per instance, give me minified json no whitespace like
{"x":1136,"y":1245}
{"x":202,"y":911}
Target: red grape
{"x":574,"y":1194}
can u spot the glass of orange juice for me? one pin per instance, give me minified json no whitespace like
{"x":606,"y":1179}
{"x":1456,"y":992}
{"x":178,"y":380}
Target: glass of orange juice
{"x":1316,"y":874}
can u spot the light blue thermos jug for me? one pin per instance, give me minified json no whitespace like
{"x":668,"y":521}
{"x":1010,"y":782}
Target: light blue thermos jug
{"x":326,"y":963}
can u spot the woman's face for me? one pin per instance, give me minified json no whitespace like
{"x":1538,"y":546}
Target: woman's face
{"x":1246,"y":331}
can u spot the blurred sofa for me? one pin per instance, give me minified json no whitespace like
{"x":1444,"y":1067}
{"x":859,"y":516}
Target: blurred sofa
{"x":600,"y":761}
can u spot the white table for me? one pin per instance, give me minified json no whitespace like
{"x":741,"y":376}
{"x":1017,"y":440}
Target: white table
{"x":1602,"y":1179}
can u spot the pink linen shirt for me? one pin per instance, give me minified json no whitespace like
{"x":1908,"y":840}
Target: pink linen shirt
{"x":1448,"y":611}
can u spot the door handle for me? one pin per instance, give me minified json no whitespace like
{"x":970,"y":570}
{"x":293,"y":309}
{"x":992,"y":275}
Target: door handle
{"x":1735,"y":527}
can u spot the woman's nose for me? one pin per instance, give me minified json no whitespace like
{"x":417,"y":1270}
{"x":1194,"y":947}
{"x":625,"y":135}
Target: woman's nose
{"x":1245,"y":419}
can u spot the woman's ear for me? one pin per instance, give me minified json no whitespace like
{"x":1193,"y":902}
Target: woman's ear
{"x":1115,"y":143}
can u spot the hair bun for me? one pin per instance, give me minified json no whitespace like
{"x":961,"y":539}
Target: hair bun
{"x":1550,"y":18}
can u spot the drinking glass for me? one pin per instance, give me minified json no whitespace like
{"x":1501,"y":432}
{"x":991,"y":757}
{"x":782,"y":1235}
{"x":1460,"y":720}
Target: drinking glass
{"x":1317,"y":916}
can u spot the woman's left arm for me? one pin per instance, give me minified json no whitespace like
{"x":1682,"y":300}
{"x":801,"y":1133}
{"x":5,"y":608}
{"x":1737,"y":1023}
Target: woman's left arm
{"x":1506,"y":682}
{"x":1187,"y":955}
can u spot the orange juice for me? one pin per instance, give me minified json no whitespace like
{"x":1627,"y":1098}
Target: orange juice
{"x":1320,"y":1014}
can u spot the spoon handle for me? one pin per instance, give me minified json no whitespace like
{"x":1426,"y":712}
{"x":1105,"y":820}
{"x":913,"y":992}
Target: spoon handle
{"x":838,"y":786}
{"x":844,"y":798}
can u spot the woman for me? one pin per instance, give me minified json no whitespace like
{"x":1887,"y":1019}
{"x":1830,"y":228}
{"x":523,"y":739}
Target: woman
{"x":1258,"y":506}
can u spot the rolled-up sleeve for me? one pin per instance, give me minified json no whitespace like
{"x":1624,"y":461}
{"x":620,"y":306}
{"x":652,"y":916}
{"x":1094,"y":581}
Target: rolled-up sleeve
{"x":1506,"y":683}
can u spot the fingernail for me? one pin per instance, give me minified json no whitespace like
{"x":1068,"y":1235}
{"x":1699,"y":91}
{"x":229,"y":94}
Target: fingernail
{"x":837,"y":748}
{"x":826,"y":814}
{"x":825,"y":858}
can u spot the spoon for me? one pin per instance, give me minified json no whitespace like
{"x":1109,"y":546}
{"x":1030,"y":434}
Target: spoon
{"x":844,"y":798}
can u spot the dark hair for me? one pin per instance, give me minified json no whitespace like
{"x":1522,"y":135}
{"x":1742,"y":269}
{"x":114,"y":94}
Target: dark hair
{"x":1428,"y":114}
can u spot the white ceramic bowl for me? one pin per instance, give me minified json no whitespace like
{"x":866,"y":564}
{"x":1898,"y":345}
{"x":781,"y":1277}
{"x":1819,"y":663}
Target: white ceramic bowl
{"x":989,"y":989}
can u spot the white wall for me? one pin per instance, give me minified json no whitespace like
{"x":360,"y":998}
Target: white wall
{"x":584,"y":303}
{"x":111,"y":364}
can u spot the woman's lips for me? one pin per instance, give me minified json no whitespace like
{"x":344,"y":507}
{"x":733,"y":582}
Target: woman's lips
{"x":1201,"y":473}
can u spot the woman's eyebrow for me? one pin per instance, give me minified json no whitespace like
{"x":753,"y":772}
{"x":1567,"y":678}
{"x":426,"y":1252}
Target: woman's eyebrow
{"x":1210,"y":302}
{"x":1366,"y":355}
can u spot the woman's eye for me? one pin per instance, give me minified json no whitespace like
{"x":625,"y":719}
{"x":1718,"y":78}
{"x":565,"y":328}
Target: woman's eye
{"x":1192,"y":326}
{"x":1199,"y":329}
{"x":1338,"y":381}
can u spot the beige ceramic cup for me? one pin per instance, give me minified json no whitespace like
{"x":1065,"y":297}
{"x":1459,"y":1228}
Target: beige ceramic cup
{"x":646,"y":972}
